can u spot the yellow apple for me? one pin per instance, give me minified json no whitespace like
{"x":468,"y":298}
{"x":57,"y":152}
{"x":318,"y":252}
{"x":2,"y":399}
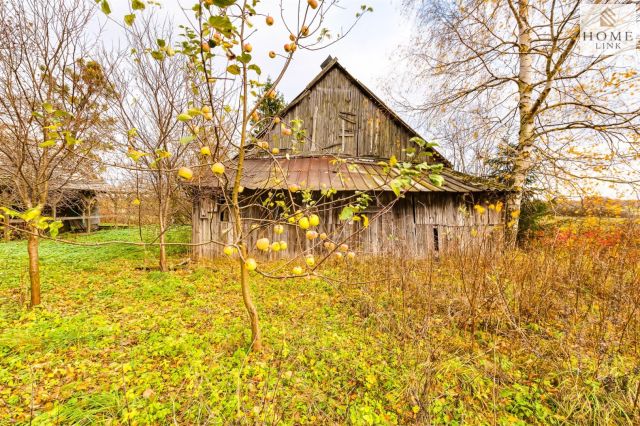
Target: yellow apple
{"x":310,"y":261}
{"x":206,"y":109}
{"x":247,"y":47}
{"x":344,"y":248}
{"x":275,"y":246}
{"x":185,"y":173}
{"x":275,"y":151}
{"x":293,"y":188}
{"x":323,"y":236}
{"x":205,"y":150}
{"x":278,"y":229}
{"x":351,"y":255}
{"x":262,"y":244}
{"x":251,"y":264}
{"x":272,"y":54}
{"x":314,"y":220}
{"x":269,"y":20}
{"x":283,"y":245}
{"x":338,"y":255}
{"x":312,"y":235}
{"x":303,"y":222}
{"x":218,"y":168}
{"x":228,"y":250}
{"x":286,"y":131}
{"x":297,"y":270}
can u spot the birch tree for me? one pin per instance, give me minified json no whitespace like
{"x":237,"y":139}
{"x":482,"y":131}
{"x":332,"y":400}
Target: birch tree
{"x":512,"y":69}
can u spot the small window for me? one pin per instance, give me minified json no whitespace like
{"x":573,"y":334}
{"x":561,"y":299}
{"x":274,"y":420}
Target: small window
{"x":436,"y":239}
{"x":224,"y":215}
{"x":347,"y":127}
{"x":223,"y":210}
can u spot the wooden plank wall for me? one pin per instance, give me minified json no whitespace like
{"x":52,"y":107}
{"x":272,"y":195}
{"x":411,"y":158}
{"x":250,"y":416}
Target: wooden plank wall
{"x":339,"y":118}
{"x":409,"y":228}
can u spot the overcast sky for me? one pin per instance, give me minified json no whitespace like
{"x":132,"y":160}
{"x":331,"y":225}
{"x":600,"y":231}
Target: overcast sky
{"x":368,"y":51}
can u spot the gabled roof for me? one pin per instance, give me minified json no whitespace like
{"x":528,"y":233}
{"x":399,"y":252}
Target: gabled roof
{"x":332,"y":63}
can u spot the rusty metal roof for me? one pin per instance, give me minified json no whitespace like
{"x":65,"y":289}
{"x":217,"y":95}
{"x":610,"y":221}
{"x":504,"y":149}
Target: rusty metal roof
{"x":342,"y":174}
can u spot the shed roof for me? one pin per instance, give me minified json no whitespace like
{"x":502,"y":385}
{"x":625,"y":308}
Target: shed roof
{"x":95,"y":186}
{"x":73,"y":183}
{"x":342,"y":174}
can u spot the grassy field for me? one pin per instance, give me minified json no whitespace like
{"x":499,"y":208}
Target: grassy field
{"x":448,"y":342}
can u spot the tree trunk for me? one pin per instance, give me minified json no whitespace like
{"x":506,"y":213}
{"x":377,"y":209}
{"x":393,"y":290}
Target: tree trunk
{"x":88,"y":215}
{"x":7,"y":235}
{"x":163,"y":248}
{"x":522,"y":156}
{"x":34,"y":266}
{"x":256,"y":338}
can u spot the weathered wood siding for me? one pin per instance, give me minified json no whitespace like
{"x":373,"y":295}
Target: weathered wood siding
{"x":340,"y":118}
{"x":418,"y":225}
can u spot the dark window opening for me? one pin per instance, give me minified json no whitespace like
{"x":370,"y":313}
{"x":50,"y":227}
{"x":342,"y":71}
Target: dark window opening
{"x":224,"y":215}
{"x":436,"y":240}
{"x":222,"y":209}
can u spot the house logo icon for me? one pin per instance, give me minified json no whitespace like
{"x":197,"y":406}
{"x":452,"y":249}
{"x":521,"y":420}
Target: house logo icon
{"x":609,"y":29}
{"x":608,"y":18}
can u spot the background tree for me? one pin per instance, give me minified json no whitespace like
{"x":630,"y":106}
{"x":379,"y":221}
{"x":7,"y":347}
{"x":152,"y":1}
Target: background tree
{"x":272,"y":103}
{"x":52,"y":107}
{"x":153,"y":88}
{"x":512,"y":69}
{"x":232,"y":104}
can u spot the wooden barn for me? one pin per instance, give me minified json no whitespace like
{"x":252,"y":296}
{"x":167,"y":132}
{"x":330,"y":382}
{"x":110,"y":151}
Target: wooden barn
{"x":348,"y":132}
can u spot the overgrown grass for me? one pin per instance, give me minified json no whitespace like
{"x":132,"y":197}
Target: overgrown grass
{"x":546,"y":336}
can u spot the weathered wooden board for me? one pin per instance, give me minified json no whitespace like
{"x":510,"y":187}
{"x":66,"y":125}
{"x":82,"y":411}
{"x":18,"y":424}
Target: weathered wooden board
{"x":418,"y":225}
{"x":340,"y":118}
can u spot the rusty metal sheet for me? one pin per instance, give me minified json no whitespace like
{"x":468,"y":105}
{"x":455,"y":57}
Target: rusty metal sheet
{"x":325,"y":172}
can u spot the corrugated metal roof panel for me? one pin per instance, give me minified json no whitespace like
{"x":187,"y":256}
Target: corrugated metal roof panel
{"x":342,"y":174}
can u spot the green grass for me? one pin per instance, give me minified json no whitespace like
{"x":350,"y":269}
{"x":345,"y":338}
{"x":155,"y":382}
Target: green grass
{"x":115,"y":343}
{"x":107,"y":332}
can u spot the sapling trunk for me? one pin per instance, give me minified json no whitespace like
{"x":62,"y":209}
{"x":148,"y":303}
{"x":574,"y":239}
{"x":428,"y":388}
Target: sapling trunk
{"x":7,"y":236}
{"x":256,"y":340}
{"x":34,"y":266}
{"x":162,"y":261}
